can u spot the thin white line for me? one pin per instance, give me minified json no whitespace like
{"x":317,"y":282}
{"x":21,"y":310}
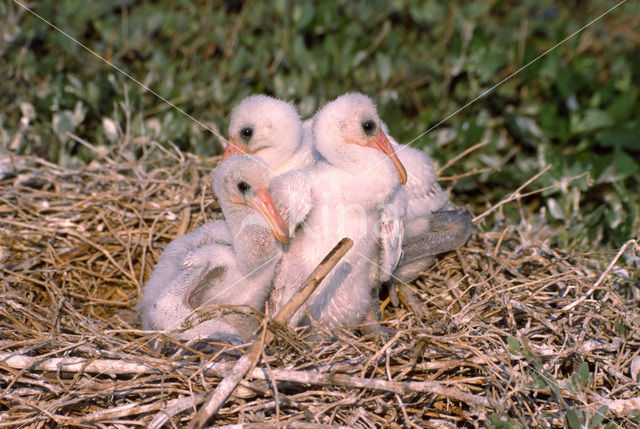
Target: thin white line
{"x":122,"y":71}
{"x":402,"y":146}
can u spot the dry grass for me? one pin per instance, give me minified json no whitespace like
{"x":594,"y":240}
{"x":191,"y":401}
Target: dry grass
{"x":498,"y":330}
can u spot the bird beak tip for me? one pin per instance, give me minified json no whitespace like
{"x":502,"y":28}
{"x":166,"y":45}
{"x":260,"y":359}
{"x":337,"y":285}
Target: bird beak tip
{"x":283,"y":237}
{"x":265,"y":206}
{"x":233,"y":148}
{"x":384,"y":145}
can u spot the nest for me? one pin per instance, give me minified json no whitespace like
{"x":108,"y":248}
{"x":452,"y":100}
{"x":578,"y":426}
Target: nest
{"x":505,"y":329}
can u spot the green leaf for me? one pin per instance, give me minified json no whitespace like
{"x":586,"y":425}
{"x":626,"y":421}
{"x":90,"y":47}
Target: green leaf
{"x":63,"y":123}
{"x":569,"y":384}
{"x":476,"y":10}
{"x":592,"y":120}
{"x":622,"y":106}
{"x":573,"y":420}
{"x":514,"y":345}
{"x":598,"y":417}
{"x":583,"y":373}
{"x":625,"y":165}
{"x":303,"y":14}
{"x":621,"y":328}
{"x":628,"y":139}
{"x":600,"y":164}
{"x":593,"y":218}
{"x":498,"y":423}
{"x":565,"y":82}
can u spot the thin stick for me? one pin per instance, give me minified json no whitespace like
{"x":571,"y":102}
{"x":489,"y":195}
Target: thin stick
{"x":221,"y":369}
{"x":401,"y":387}
{"x":77,"y":364}
{"x":407,"y":420}
{"x":615,"y":260}
{"x":133,"y":409}
{"x":602,"y":276}
{"x":228,"y":384}
{"x":467,"y":174}
{"x":513,"y":196}
{"x":461,"y":155}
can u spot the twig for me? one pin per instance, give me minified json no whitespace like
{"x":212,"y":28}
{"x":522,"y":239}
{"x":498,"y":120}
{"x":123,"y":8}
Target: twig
{"x":461,"y":155}
{"x":602,"y":276}
{"x":615,"y":259}
{"x":407,"y":420}
{"x":401,"y":387}
{"x":240,"y":369}
{"x":174,"y":407}
{"x":274,"y":386}
{"x":222,"y":369}
{"x":472,"y":172}
{"x":513,"y":196}
{"x":134,"y":408}
{"x":76,"y":364}
{"x":106,"y":253}
{"x":380,"y":352}
{"x":559,"y":184}
{"x":27,"y":115}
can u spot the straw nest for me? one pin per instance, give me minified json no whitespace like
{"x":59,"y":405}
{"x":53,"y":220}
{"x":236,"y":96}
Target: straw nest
{"x":506,"y":329}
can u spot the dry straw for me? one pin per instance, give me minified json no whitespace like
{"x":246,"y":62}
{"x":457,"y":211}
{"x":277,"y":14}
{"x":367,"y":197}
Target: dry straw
{"x":505,"y":326}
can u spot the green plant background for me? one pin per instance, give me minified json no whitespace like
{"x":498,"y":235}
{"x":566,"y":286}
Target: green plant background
{"x":575,"y":109}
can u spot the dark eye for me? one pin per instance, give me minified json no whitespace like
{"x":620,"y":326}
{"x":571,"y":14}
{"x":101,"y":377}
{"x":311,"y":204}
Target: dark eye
{"x":244,"y":187}
{"x":246,"y":133}
{"x":369,"y":126}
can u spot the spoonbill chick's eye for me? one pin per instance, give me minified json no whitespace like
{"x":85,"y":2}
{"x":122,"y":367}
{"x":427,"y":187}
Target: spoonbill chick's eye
{"x":244,"y":187}
{"x":246,"y":133}
{"x":369,"y":127}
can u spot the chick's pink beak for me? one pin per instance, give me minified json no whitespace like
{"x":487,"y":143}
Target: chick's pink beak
{"x":263,"y":204}
{"x":382,"y":143}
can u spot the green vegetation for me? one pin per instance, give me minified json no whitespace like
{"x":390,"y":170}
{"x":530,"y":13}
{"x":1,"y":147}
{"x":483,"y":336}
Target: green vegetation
{"x":577,"y":385}
{"x":575,"y":109}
